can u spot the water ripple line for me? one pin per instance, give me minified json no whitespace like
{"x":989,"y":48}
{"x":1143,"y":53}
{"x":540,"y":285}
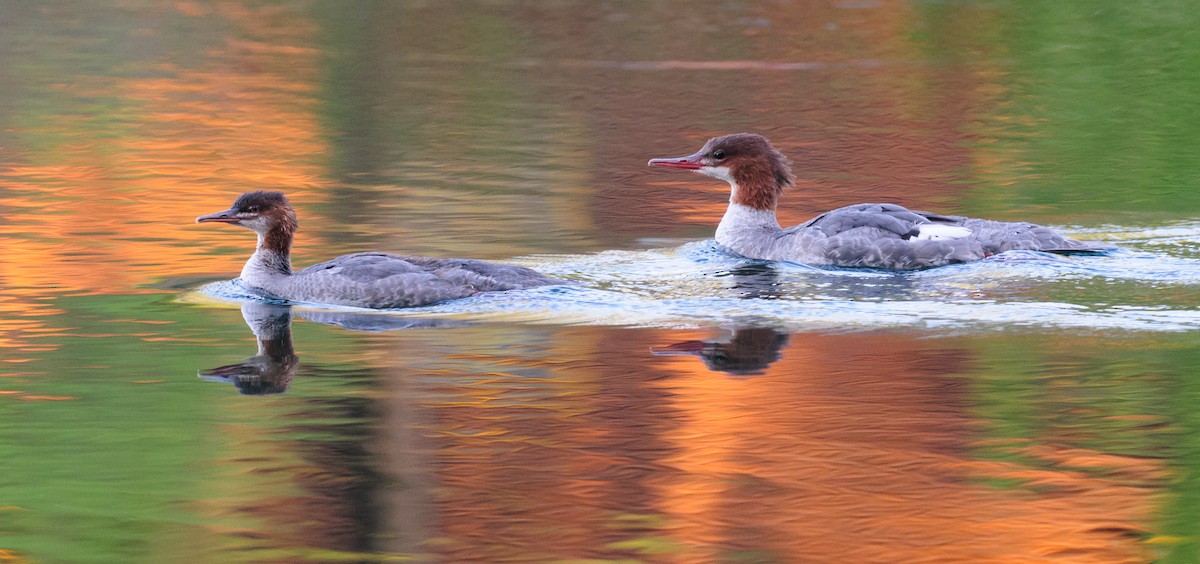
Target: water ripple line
{"x":699,"y":284}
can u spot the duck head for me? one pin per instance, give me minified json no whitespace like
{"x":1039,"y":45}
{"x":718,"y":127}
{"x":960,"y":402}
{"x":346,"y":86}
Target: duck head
{"x":756,"y":172}
{"x":261,"y":212}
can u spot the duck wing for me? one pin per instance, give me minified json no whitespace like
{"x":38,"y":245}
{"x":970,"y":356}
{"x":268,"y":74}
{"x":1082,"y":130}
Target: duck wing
{"x":999,"y":236}
{"x":364,"y":267}
{"x":385,"y":280}
{"x":375,"y":280}
{"x":887,"y":220}
{"x":490,"y":276}
{"x":895,"y":237}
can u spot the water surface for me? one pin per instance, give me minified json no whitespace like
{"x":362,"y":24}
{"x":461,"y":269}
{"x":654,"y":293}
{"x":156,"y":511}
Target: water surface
{"x":678,"y":404}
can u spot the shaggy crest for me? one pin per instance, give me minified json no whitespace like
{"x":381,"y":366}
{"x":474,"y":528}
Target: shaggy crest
{"x":760,"y":170}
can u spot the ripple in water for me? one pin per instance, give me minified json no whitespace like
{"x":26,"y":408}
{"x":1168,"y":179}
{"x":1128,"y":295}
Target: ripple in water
{"x":699,"y":284}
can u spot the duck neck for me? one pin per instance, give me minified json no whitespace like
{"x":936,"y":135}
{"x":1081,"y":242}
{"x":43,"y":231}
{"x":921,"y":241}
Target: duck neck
{"x":749,"y":225}
{"x":272,"y":258}
{"x":272,"y":325}
{"x":277,"y":345}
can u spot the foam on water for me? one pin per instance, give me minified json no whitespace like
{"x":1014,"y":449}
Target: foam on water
{"x":1136,"y":288}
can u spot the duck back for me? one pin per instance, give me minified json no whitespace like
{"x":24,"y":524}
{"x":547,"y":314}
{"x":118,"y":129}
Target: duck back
{"x":893,"y":237}
{"x":385,"y":280}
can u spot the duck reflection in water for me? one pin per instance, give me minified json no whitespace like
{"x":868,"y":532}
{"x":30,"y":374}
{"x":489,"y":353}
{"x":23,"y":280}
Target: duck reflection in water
{"x":272,"y":369}
{"x":753,"y":345}
{"x":748,"y":352}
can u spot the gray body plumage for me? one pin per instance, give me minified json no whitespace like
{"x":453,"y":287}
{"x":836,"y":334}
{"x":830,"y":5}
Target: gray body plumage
{"x":883,"y":236}
{"x":384,"y":280}
{"x":370,"y":280}
{"x":870,"y":235}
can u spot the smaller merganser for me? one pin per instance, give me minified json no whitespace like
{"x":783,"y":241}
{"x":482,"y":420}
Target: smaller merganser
{"x":370,"y":280}
{"x":868,"y":235}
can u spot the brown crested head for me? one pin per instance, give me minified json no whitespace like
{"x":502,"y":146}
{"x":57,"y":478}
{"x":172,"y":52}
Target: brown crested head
{"x":267,"y":213}
{"x":746,"y":160}
{"x":261,"y":211}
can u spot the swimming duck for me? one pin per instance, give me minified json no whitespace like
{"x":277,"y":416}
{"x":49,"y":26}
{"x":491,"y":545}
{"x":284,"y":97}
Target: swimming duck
{"x":885,"y":236}
{"x":369,"y":280}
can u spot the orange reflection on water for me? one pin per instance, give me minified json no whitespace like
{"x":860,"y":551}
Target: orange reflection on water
{"x":105,"y":202}
{"x":21,"y":319}
{"x":847,"y":449}
{"x":869,"y":457}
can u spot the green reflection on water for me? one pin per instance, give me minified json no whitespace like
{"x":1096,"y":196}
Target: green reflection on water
{"x":115,"y":451}
{"x":1101,"y":115}
{"x":1125,"y":397}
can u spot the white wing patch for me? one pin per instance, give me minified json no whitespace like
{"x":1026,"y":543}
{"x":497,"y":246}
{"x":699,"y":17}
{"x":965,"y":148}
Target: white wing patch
{"x":931,"y":232}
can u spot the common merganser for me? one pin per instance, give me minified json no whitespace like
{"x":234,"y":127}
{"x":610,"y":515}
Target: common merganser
{"x":370,"y":280}
{"x":869,"y":235}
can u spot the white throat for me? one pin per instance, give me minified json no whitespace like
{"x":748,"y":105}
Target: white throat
{"x":722,"y":172}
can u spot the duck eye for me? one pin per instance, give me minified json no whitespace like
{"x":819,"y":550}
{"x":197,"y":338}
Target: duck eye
{"x":252,"y":209}
{"x":718,"y":154}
